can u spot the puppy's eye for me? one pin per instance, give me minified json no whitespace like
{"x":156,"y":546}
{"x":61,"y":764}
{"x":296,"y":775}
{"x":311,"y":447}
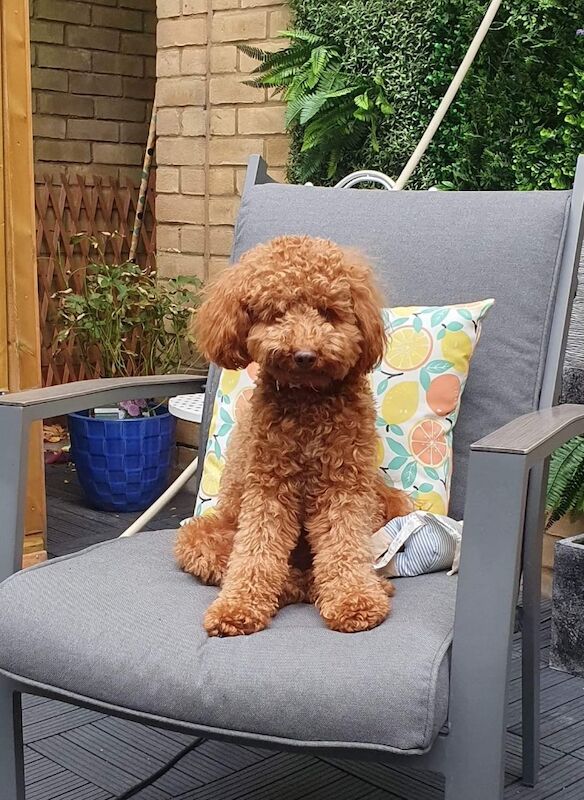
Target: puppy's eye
{"x":328,"y":314}
{"x":269,"y":315}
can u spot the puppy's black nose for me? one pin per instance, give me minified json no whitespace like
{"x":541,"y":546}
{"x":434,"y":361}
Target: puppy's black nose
{"x":304,"y":358}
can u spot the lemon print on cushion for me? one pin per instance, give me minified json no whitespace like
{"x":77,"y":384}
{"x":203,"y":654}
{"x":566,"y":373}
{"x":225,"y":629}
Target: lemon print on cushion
{"x":212,"y":477}
{"x":431,"y":501}
{"x":418,"y":389}
{"x":457,"y":347}
{"x":229,"y":380}
{"x":379,"y":453}
{"x":408,"y":348}
{"x":233,"y":395}
{"x":400,"y":402}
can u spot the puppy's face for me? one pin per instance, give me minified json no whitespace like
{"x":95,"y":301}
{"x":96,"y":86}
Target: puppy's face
{"x":304,"y":309}
{"x":301,"y":341}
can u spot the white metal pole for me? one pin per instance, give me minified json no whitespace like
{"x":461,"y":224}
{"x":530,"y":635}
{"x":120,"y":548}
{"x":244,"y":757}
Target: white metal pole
{"x":164,"y":498}
{"x":449,"y":96}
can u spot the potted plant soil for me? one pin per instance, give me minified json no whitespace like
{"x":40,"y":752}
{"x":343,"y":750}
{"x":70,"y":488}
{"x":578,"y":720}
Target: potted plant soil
{"x":125,"y":322}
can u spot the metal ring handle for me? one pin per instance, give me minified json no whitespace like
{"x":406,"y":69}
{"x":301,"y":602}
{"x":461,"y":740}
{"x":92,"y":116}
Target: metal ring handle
{"x":366,"y":175}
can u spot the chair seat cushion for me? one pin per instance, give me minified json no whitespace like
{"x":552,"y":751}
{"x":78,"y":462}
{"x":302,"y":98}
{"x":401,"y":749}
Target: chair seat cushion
{"x":120,"y":626}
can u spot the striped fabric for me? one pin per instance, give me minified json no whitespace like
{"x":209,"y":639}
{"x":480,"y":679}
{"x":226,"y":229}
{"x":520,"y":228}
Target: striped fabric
{"x":415,"y":544}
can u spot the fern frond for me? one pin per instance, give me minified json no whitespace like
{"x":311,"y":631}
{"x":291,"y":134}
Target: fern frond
{"x":319,"y":59}
{"x":284,"y":77}
{"x":279,"y":62}
{"x":254,"y":52}
{"x":294,"y":108}
{"x":565,"y":491}
{"x":289,"y":57}
{"x":336,"y":113}
{"x":301,"y":36}
{"x":317,"y":101}
{"x":310,"y":165}
{"x":562,"y":465}
{"x":260,"y":83}
{"x":566,"y":503}
{"x":333,"y":78}
{"x":333,"y":163}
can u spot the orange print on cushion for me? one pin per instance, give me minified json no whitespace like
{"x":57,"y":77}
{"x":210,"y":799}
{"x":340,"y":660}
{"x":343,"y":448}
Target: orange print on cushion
{"x":428,"y":443}
{"x":242,"y":401}
{"x":443,"y":394}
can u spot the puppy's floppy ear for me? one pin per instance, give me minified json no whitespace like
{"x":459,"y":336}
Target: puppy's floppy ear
{"x":222,"y":322}
{"x":367,"y":305}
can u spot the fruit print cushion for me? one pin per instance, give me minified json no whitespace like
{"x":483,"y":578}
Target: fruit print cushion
{"x":233,"y":393}
{"x":417,"y":389}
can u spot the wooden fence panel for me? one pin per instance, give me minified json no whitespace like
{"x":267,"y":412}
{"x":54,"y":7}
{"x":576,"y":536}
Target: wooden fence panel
{"x":71,"y":206}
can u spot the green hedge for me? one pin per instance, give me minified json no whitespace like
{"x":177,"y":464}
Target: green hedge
{"x":518,"y":120}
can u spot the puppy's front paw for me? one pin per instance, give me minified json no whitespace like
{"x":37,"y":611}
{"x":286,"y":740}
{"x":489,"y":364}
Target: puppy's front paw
{"x":204,"y":556}
{"x":231,"y":618}
{"x":358,"y":610}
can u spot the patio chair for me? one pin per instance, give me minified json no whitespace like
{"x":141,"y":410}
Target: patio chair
{"x":118,"y":628}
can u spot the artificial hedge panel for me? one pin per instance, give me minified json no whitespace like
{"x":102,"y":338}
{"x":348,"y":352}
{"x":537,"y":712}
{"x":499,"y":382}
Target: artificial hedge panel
{"x":518,"y":120}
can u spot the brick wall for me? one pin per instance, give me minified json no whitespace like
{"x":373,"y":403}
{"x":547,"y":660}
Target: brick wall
{"x":93,"y":74}
{"x":209,"y":123}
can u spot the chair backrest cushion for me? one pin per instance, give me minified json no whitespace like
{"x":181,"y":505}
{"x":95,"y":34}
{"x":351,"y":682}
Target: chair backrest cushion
{"x":440,"y":248}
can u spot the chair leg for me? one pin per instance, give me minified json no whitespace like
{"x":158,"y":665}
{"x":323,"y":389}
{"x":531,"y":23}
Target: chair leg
{"x":530,"y":629}
{"x":463,"y":783}
{"x":11,"y":747}
{"x":530,"y":682}
{"x":481,"y":651}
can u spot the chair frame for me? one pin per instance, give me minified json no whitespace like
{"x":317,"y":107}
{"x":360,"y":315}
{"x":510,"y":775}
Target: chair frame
{"x":503,"y":514}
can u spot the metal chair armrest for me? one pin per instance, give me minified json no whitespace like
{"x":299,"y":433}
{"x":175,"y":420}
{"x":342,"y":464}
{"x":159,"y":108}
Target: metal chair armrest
{"x":19,"y":409}
{"x":57,"y":400}
{"x":535,"y":435}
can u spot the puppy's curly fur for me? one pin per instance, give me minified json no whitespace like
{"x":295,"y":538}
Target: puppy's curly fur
{"x":300,"y":493}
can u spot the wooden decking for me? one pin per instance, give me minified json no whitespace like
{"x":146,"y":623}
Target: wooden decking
{"x":76,"y":754}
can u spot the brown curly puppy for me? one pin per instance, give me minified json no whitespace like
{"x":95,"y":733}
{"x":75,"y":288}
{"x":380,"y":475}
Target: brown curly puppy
{"x":300,"y":465}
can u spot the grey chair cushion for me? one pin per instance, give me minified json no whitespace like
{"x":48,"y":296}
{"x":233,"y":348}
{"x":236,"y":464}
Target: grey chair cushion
{"x":432,"y":248}
{"x":119,"y":624}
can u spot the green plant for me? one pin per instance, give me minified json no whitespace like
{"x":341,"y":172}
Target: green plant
{"x":565,"y":493}
{"x":333,"y":110}
{"x":513,"y":123}
{"x":124,"y":321}
{"x":551,"y":157}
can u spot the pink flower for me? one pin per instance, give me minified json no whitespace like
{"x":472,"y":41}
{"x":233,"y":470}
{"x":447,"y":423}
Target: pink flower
{"x":133,"y":408}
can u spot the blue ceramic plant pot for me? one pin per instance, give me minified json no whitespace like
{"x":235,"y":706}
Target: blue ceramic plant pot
{"x":122,"y":465}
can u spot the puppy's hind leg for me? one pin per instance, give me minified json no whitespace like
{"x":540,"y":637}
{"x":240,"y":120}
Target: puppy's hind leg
{"x":204,"y":544}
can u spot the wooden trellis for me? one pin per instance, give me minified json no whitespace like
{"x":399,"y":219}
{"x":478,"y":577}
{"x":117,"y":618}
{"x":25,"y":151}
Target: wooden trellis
{"x":72,"y":206}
